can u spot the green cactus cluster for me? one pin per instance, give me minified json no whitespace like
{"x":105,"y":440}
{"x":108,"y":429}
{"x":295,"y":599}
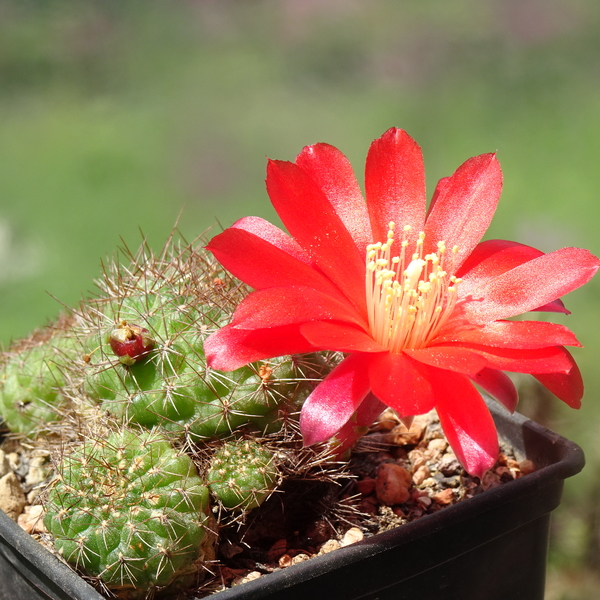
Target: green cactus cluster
{"x":130,"y":510}
{"x":125,"y":506}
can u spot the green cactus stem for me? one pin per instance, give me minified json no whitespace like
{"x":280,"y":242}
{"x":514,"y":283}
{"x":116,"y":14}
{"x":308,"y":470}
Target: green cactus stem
{"x":155,"y":314}
{"x":242,"y":474}
{"x":131,"y":511}
{"x":33,"y":378}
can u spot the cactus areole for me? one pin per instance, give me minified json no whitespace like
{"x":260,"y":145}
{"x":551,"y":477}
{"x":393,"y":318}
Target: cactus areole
{"x":130,"y":342}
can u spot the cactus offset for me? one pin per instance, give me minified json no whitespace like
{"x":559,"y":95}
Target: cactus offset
{"x":33,"y":378}
{"x":131,"y":511}
{"x":242,"y":474}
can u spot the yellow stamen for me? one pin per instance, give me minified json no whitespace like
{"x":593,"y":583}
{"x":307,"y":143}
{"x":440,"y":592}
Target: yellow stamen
{"x":408,"y":299}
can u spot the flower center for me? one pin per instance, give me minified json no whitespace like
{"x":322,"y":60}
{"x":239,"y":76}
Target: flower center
{"x":409,"y":298}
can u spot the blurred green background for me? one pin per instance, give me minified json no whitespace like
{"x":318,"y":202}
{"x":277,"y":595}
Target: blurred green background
{"x":119,"y":115}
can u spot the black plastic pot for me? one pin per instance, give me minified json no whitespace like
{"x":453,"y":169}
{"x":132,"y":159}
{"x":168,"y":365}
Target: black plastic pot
{"x":490,"y":547}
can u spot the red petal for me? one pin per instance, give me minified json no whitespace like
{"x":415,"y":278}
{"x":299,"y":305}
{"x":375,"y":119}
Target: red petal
{"x":555,"y":306}
{"x":465,"y":206}
{"x":453,"y":358}
{"x":334,"y":400}
{"x":566,"y":386}
{"x":494,"y":257}
{"x":273,"y":307}
{"x":262,"y":264}
{"x":513,"y":334}
{"x":532,"y":360}
{"x":439,"y":189}
{"x":395,"y":184}
{"x":270,"y":233}
{"x":368,"y":411}
{"x":316,"y":226}
{"x":402,"y":383}
{"x":530,"y":285}
{"x":499,"y":385}
{"x":333,"y":173}
{"x":228,"y":348}
{"x":467,"y":423}
{"x":340,"y":337}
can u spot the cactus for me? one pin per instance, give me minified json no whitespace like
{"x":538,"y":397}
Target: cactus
{"x":33,"y":378}
{"x":146,"y":361}
{"x":130,"y":510}
{"x":126,"y":373}
{"x":242,"y":474}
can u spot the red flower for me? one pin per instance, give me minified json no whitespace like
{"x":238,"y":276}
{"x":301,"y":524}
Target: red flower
{"x":413,"y":298}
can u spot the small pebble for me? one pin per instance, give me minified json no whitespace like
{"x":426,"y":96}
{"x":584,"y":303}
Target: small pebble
{"x":353,"y":535}
{"x":400,"y":436}
{"x":285,"y":561}
{"x":437,"y":445}
{"x":14,"y":460}
{"x":38,"y":470}
{"x":527,"y":466}
{"x":450,"y":482}
{"x":490,"y":480}
{"x":511,"y":463}
{"x":4,"y":464}
{"x":387,"y":421}
{"x":392,"y":484}
{"x":449,"y":465}
{"x":12,"y":498}
{"x":329,"y":546}
{"x":300,"y":558}
{"x":32,"y":519}
{"x":33,"y":494}
{"x":250,"y":577}
{"x":417,"y":458}
{"x":430,"y":482}
{"x":420,"y":475}
{"x":444,"y":497}
{"x":424,"y":501}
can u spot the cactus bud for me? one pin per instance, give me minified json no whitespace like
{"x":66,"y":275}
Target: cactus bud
{"x":130,"y":342}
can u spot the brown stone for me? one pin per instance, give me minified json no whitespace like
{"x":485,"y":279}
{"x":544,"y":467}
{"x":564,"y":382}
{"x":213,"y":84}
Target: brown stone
{"x":12,"y":498}
{"x":285,"y":561}
{"x":392,"y":484}
{"x":527,"y":466}
{"x":365,"y":486}
{"x":329,"y":546}
{"x":32,"y":519}
{"x":444,"y":497}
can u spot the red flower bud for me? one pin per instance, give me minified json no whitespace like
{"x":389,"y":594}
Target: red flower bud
{"x":130,"y":342}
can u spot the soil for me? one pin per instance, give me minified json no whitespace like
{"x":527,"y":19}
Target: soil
{"x":393,"y":476}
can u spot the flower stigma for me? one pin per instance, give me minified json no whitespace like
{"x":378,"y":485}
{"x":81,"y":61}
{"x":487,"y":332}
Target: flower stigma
{"x":409,"y":297}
